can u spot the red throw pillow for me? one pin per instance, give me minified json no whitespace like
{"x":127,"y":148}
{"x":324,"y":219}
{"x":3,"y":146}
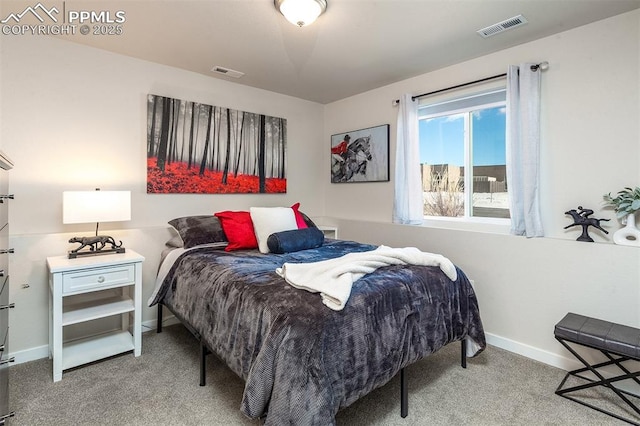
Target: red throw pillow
{"x":238,"y":228}
{"x":299,"y":218}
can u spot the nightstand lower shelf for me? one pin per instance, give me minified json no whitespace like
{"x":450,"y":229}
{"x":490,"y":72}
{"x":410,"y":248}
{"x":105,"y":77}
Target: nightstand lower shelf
{"x":94,"y":348}
{"x":87,"y":311}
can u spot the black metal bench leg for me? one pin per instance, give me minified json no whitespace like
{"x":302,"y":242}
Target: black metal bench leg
{"x":404,"y":395}
{"x":602,"y":381}
{"x":159,"y":323}
{"x":463,"y":353}
{"x":203,"y":363}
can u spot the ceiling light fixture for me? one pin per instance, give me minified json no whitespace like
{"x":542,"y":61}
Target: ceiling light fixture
{"x":301,"y":12}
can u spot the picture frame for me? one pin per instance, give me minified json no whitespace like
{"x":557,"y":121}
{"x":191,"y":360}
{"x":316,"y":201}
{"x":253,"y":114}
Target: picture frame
{"x":360,"y":155}
{"x":197,"y":148}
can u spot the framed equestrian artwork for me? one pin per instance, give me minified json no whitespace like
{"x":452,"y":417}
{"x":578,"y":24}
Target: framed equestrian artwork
{"x":195,"y":148}
{"x":360,"y":155}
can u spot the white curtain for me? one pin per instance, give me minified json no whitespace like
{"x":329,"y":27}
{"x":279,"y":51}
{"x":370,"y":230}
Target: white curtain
{"x":408,"y":203}
{"x":523,"y":149}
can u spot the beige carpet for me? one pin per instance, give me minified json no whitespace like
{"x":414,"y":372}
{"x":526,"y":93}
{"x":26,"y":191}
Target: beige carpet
{"x":161,"y":387}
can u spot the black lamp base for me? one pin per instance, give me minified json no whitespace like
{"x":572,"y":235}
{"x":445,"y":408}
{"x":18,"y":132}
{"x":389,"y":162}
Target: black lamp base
{"x":94,"y":246}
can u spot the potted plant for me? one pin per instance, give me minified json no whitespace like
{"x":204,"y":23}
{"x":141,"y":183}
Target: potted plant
{"x":626,"y":203}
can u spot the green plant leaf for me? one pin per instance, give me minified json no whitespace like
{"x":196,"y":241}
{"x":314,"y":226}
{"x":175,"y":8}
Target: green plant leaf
{"x":626,"y":201}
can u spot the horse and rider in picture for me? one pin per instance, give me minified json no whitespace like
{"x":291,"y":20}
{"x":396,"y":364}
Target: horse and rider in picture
{"x":349,"y":159}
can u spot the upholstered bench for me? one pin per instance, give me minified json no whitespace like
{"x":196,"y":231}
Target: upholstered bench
{"x":618,"y":343}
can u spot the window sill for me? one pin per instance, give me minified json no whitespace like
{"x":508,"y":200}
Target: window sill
{"x":488,"y":225}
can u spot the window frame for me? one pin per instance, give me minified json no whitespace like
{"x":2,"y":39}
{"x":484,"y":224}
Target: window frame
{"x":466,"y":222}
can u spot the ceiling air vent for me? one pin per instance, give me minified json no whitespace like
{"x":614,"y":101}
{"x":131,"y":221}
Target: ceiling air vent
{"x":505,"y":25}
{"x":227,"y":72}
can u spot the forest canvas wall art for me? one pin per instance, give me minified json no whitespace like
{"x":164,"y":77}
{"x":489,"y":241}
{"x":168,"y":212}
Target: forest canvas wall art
{"x":195,"y":148}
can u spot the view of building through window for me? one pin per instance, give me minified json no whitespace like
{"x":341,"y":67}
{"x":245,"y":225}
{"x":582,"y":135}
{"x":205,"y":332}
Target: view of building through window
{"x":462,"y":157}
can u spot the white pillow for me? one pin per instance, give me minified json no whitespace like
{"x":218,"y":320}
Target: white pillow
{"x":268,"y":220}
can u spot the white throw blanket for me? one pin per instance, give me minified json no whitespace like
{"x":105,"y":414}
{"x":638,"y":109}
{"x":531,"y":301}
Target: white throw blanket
{"x":334,"y":278}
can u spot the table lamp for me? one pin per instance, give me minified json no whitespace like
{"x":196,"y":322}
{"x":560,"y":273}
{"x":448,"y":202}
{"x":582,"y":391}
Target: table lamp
{"x":95,"y":206}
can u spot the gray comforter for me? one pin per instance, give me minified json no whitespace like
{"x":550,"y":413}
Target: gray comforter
{"x":302,"y":361}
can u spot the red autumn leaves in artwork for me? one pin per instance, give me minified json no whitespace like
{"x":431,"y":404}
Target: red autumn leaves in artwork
{"x":196,"y":148}
{"x":177,"y":178}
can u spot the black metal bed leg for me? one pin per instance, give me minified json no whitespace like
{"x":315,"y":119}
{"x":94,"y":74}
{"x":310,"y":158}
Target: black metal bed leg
{"x":463,"y":353}
{"x":203,"y":363}
{"x":404,"y":395}
{"x":159,"y":323}
{"x":404,"y":388}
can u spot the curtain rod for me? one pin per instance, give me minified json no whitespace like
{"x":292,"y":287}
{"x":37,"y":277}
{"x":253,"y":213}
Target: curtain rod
{"x":493,"y":77}
{"x":541,"y":66}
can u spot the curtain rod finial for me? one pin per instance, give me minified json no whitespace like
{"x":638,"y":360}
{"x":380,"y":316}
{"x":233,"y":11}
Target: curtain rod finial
{"x":542,"y":66}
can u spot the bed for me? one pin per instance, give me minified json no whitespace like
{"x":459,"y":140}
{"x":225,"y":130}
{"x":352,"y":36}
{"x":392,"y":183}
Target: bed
{"x":300,"y":360}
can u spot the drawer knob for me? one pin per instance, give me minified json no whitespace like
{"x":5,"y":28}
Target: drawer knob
{"x":10,"y":305}
{"x":3,"y":197}
{"x":100,"y":279}
{"x":5,"y":251}
{"x":4,"y":417}
{"x":7,"y":361}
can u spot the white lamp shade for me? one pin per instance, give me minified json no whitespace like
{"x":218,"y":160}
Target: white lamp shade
{"x":301,"y":12}
{"x":96,"y":206}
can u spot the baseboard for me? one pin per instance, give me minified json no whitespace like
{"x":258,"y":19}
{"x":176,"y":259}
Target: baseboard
{"x":532,"y":352}
{"x":528,"y":351}
{"x":567,"y":364}
{"x":30,"y":354}
{"x":151,"y":325}
{"x":40,"y":352}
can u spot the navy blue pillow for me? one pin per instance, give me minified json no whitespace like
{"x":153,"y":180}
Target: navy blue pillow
{"x":295,"y":240}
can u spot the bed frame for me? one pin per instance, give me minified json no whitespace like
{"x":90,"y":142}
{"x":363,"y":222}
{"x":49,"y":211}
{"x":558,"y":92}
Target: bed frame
{"x":205,"y":350}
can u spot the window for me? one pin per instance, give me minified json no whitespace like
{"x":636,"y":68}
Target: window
{"x":462,"y":156}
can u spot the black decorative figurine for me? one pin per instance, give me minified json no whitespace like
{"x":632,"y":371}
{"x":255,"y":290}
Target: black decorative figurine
{"x":96,"y":246}
{"x":581,"y":217}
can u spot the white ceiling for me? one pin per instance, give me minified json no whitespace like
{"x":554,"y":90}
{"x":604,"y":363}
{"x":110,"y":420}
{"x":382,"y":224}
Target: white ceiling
{"x":357,"y":45}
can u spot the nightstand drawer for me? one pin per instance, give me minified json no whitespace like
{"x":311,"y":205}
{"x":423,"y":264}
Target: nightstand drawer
{"x":96,"y":279}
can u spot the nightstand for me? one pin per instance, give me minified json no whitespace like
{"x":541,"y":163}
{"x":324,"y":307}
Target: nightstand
{"x":329,"y":231}
{"x":111,"y":285}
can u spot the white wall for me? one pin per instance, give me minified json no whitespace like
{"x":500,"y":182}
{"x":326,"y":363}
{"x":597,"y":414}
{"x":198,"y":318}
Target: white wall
{"x":73,"y":118}
{"x":590,"y":146}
